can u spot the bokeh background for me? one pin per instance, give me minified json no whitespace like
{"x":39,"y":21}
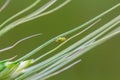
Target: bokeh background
{"x":101,"y":63}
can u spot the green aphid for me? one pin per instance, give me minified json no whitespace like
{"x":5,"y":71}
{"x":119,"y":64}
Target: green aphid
{"x":61,"y":39}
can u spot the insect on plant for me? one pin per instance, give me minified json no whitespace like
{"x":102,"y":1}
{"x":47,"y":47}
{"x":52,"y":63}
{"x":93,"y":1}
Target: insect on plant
{"x":24,"y":68}
{"x":61,"y":39}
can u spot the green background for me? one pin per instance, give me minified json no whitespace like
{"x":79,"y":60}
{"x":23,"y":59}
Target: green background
{"x":101,"y":63}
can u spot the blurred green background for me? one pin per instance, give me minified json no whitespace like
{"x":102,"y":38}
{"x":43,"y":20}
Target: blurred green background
{"x":101,"y":63}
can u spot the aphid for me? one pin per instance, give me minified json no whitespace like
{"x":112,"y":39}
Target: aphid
{"x":60,"y":39}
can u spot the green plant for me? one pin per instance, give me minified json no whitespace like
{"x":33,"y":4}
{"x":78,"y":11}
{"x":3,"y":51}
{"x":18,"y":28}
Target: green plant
{"x":22,"y":68}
